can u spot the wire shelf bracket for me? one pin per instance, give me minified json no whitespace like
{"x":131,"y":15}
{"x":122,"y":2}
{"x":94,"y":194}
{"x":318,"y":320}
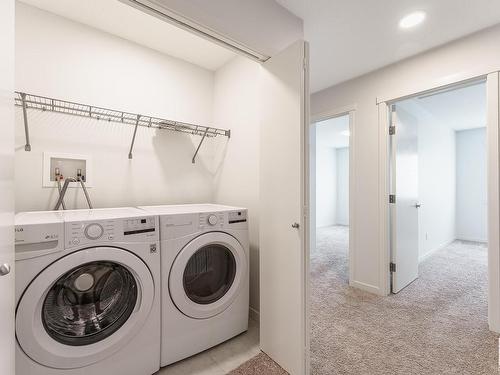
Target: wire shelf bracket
{"x":133,"y":137}
{"x":42,"y":103}
{"x":198,"y":148}
{"x":27,"y":146}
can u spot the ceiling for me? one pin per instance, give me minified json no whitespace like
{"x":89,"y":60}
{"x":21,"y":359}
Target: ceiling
{"x":329,"y":132}
{"x":122,"y":20}
{"x":351,"y":38}
{"x":460,"y":109}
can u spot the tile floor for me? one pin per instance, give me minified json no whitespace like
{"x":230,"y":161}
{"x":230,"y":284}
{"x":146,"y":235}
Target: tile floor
{"x":221,"y":359}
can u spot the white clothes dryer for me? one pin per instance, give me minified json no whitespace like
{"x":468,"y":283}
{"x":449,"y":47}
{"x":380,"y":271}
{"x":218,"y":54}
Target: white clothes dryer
{"x":87,"y":292}
{"x":205,"y":277}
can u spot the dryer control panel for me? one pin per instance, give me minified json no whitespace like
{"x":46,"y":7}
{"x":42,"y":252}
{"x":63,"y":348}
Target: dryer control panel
{"x":236,"y":217}
{"x":224,"y":219}
{"x":180,"y":225}
{"x":136,"y":229}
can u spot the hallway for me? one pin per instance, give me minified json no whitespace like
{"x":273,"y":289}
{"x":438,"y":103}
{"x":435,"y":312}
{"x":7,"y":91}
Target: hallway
{"x":437,"y":325}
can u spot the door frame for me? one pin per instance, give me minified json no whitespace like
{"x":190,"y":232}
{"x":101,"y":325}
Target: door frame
{"x":7,"y":186}
{"x":493,"y":164}
{"x":338,"y":112}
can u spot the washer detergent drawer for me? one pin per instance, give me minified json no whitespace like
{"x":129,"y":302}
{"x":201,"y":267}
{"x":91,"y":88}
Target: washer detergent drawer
{"x":37,"y":240}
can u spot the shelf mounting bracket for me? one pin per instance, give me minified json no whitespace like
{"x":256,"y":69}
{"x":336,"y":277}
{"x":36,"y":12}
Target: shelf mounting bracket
{"x":27,"y":146}
{"x":199,"y":145}
{"x":133,"y":137}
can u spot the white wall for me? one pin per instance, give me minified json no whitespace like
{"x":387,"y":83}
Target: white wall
{"x":328,"y":136}
{"x":439,"y":66}
{"x":326,"y":186}
{"x":237,"y":179}
{"x":342,"y":186}
{"x":471,"y":215}
{"x":312,"y":187}
{"x":63,"y":59}
{"x":436,"y":184}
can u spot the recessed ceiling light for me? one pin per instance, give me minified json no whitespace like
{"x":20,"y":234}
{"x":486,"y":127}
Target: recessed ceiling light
{"x":412,"y":20}
{"x":347,"y":133}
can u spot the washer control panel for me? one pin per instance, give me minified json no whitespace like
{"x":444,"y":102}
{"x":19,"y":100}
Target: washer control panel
{"x":139,"y":225}
{"x":94,"y":231}
{"x":135,"y":229}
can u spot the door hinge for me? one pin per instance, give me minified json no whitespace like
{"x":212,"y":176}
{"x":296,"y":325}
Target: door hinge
{"x":392,"y":267}
{"x":392,"y":198}
{"x":392,"y":130}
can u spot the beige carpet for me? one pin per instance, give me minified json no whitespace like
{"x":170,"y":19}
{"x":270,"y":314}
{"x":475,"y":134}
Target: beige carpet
{"x":261,"y":364}
{"x":437,"y":325}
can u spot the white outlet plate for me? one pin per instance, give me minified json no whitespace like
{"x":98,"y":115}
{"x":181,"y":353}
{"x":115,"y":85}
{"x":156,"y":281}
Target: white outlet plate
{"x":85,"y":161}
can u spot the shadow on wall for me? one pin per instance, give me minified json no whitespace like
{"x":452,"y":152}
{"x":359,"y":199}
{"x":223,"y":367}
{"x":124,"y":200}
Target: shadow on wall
{"x":174,"y":152}
{"x":161,"y":171}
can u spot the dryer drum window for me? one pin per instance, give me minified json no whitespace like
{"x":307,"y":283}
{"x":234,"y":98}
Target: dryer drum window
{"x":209,"y":274}
{"x":89,"y":303}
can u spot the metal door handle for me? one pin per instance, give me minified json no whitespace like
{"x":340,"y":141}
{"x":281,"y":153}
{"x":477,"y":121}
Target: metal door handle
{"x":295,"y":225}
{"x":417,"y":205}
{"x":4,"y":269}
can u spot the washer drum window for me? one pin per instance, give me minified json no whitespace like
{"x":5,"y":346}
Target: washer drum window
{"x":209,"y":274}
{"x":89,"y":303}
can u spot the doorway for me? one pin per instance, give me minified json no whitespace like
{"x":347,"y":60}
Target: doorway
{"x":331,"y":157}
{"x":331,"y":169}
{"x":438,"y":192}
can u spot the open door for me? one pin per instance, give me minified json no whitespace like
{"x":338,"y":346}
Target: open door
{"x":403,"y":200}
{"x":7,"y":336}
{"x":283,"y":214}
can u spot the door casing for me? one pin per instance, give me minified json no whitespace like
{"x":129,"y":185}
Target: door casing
{"x":7,"y":287}
{"x":492,"y":130}
{"x":351,"y":111}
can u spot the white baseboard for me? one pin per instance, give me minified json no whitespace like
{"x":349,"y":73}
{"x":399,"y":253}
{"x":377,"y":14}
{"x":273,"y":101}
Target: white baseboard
{"x":254,"y":314}
{"x":366,"y":287}
{"x":421,"y":258}
{"x":482,"y":240}
{"x":332,"y":225}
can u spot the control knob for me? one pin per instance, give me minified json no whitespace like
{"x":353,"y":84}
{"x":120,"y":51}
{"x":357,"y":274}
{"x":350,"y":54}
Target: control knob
{"x":212,"y":219}
{"x":94,"y":231}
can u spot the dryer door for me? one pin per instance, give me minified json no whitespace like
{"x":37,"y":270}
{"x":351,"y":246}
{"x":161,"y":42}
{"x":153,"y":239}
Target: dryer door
{"x":84,"y":307}
{"x":207,"y":275}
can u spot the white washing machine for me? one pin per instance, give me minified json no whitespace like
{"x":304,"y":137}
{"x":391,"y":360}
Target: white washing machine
{"x":87,"y":292}
{"x":205,"y":277}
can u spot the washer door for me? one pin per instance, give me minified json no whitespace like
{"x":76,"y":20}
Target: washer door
{"x":207,"y":275}
{"x":84,"y":307}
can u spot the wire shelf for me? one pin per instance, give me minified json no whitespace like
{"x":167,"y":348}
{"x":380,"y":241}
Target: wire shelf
{"x":43,"y":103}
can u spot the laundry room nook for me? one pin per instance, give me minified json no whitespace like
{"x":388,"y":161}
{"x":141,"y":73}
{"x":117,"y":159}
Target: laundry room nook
{"x":138,"y":179}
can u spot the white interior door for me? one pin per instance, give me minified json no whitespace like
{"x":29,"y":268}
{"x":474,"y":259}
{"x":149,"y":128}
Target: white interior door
{"x":283,"y":222}
{"x":404,"y":211}
{"x":6,"y":187}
